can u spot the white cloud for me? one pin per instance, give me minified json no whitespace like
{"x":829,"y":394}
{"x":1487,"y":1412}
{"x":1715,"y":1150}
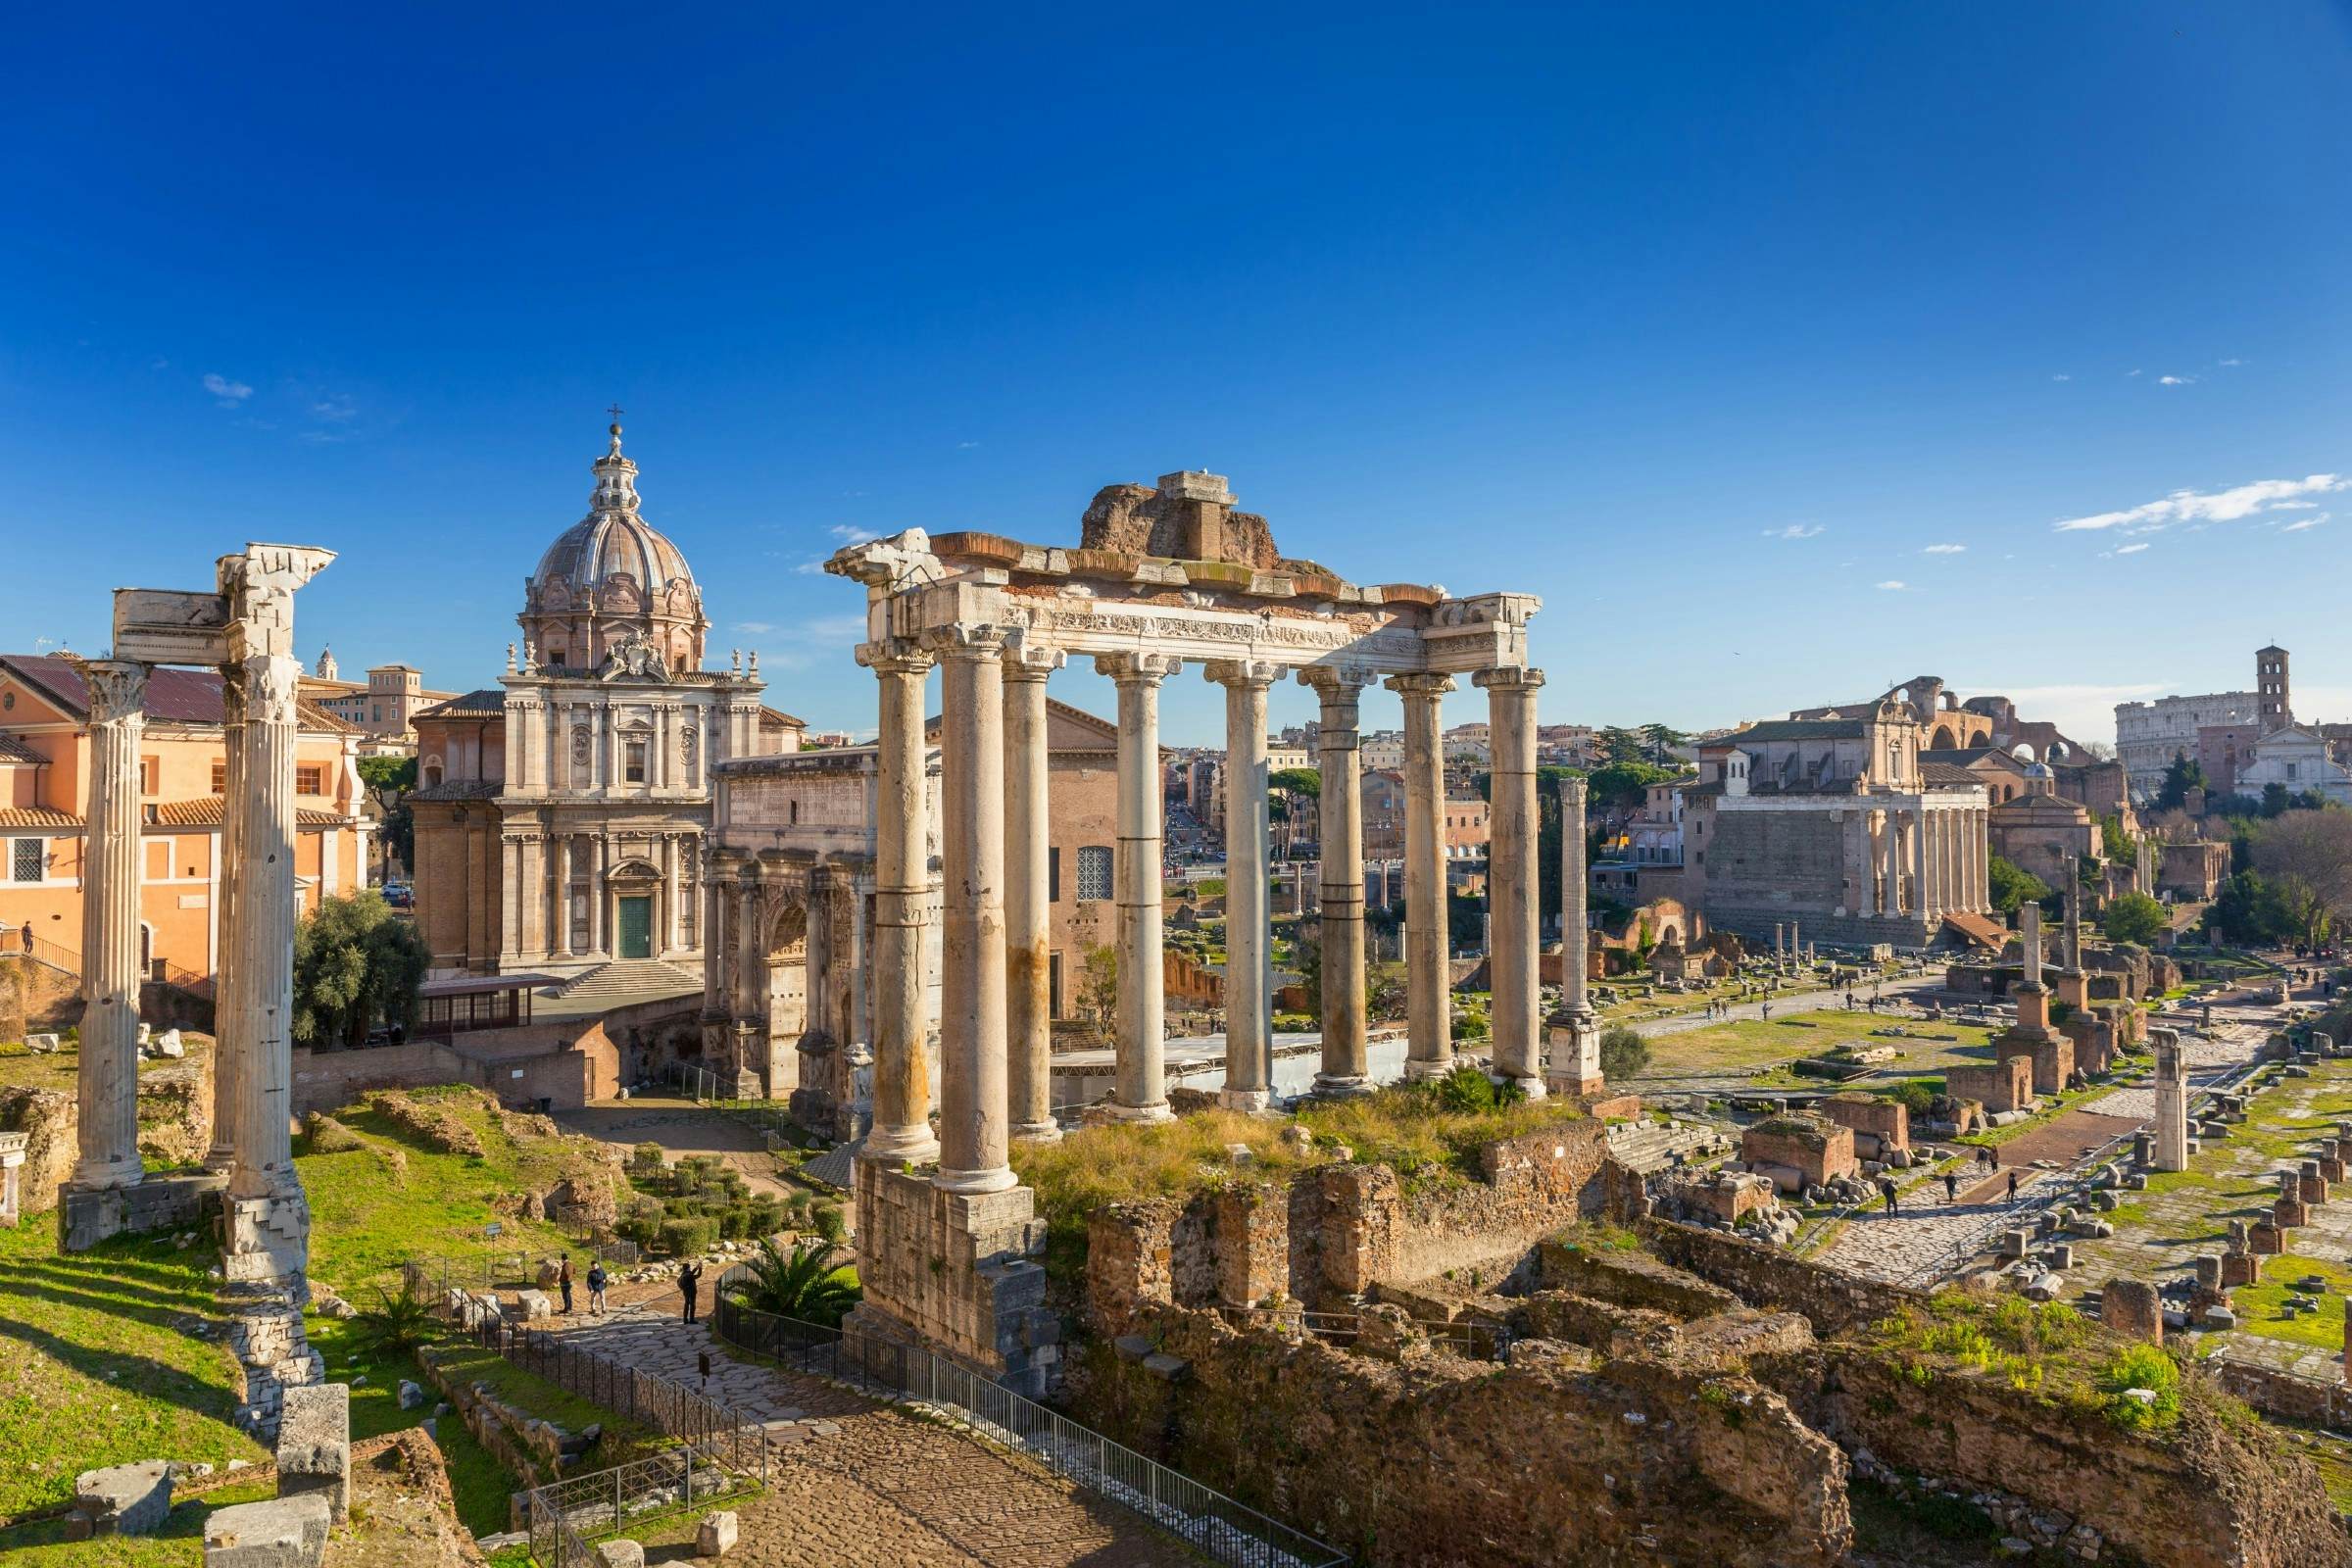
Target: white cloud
{"x":810,"y":568}
{"x":1795,"y":530}
{"x":1945,"y":550}
{"x":1894,"y":585}
{"x":334,"y":408}
{"x":850,"y":534}
{"x":2233,"y":362}
{"x":2128,"y":374}
{"x":2211,"y":506}
{"x":2131,"y":550}
{"x":965,"y":446}
{"x":757,"y":628}
{"x":2307,"y":522}
{"x":2061,"y":378}
{"x":2175,"y":380}
{"x":230,"y":393}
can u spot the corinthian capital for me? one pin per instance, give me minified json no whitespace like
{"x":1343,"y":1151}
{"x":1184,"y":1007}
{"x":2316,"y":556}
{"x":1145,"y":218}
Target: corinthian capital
{"x":1138,"y":668}
{"x":1026,"y":659}
{"x":892,"y":657}
{"x":118,"y":689}
{"x":1572,"y":790}
{"x":270,"y":681}
{"x":1337,"y":682}
{"x":1508,"y":680}
{"x":1428,"y":685}
{"x":1248,"y":673}
{"x":966,"y":640}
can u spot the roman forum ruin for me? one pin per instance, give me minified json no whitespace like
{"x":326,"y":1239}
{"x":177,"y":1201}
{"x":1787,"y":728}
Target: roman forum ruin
{"x":245,"y":629}
{"x":1161,"y":576}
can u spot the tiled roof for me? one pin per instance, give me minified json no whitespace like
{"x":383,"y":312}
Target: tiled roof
{"x":36,"y":817}
{"x":1962,"y":756}
{"x":16,"y":749}
{"x":174,"y":695}
{"x":207,"y":813}
{"x":1799,"y":729}
{"x":461,"y":789}
{"x":489,"y":700}
{"x":777,"y":715}
{"x":1944,"y":776}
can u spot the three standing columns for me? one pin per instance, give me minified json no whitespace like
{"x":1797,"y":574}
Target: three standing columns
{"x":1511,"y":884}
{"x":1248,"y":851}
{"x":1141,"y":1091}
{"x":1429,"y":1007}
{"x":1347,"y":1065}
{"x":974,"y":1142}
{"x":108,"y":1084}
{"x":902,"y":1127}
{"x":1028,"y":900}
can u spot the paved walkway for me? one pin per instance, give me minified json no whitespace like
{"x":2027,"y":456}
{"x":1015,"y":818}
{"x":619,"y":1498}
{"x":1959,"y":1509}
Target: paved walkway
{"x":867,"y":1485}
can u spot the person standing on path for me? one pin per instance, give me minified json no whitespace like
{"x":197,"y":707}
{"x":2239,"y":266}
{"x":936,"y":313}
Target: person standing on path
{"x":564,"y":1282}
{"x":689,"y":1280}
{"x":1886,"y":1193}
{"x":595,"y":1288}
{"x":2013,"y":1187}
{"x":1951,"y":1187}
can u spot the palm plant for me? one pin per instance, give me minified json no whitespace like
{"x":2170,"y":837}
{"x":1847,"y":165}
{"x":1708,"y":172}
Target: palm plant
{"x":396,"y":1323}
{"x":803,"y":1284}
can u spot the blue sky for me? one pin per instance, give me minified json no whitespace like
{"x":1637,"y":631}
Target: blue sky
{"x":1709,"y":323}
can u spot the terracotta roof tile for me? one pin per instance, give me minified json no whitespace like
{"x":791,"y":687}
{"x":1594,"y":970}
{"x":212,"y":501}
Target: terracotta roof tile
{"x":174,"y":695}
{"x":36,"y":817}
{"x":207,"y":813}
{"x":16,"y":749}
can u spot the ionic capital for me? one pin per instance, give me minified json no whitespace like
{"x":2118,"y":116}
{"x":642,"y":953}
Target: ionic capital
{"x":1508,"y":680}
{"x":1424,"y":687}
{"x":1028,"y":661}
{"x":1247,"y":674}
{"x":1138,"y":670}
{"x":1337,"y":682}
{"x":894,"y":657}
{"x":967,"y":640}
{"x":117,"y":688}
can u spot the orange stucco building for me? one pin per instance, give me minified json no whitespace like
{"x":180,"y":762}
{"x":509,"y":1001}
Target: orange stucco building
{"x":44,"y":783}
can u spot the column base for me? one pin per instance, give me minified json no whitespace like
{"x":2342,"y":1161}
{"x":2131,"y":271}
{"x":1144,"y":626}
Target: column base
{"x":951,"y":1273}
{"x":88,"y":1215}
{"x":974,"y":1181}
{"x":1429,"y":1069}
{"x":1531,"y":1086}
{"x":1248,"y":1102}
{"x":1340,"y":1086}
{"x":93,"y":1175}
{"x":266,"y":1240}
{"x":894,"y":1146}
{"x":1140,"y":1113}
{"x":220,"y":1159}
{"x":1037,"y":1132}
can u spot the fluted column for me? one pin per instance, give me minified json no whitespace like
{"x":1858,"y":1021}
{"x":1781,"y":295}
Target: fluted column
{"x":1248,"y":953}
{"x":973,"y":1137}
{"x":1429,"y":998}
{"x":599,"y":861}
{"x":228,"y":1049}
{"x":108,"y":1081}
{"x":1574,"y":1033}
{"x":750,"y":1010}
{"x":562,"y":946}
{"x":1347,"y":1065}
{"x":717,"y":888}
{"x":1511,"y":885}
{"x":902,"y":1128}
{"x":1140,"y":1093}
{"x":1028,"y":900}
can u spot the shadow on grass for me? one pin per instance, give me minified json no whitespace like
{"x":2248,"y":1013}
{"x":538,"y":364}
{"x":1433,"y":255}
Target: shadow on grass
{"x":158,"y":1379}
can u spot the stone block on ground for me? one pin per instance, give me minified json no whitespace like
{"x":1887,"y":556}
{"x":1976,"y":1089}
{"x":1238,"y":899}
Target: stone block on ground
{"x":124,"y":1499}
{"x":313,"y":1446}
{"x":281,"y":1532}
{"x":534,"y":1304}
{"x":619,"y":1554}
{"x":716,"y":1536}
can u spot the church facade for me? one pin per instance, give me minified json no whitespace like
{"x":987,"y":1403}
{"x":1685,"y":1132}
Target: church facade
{"x":561,"y":816}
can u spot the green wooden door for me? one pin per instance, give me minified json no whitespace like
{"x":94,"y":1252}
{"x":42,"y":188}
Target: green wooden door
{"x":636,"y":928}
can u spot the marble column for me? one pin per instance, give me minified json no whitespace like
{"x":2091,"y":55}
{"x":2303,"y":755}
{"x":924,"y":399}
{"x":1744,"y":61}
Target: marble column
{"x":562,"y":946}
{"x":1574,"y":1065}
{"x":1248,"y":852}
{"x":716,"y":890}
{"x":749,"y":1059}
{"x":1347,"y":1066}
{"x":665,"y":935}
{"x":2172,"y":1101}
{"x":1028,"y":895}
{"x":1853,"y":825}
{"x":108,"y":1086}
{"x":1882,"y":863}
{"x":1516,"y":1006}
{"x":533,"y":915}
{"x":228,"y":1050}
{"x":1429,"y":998}
{"x":902,"y":1128}
{"x":1141,"y":1091}
{"x":973,"y":1129}
{"x":600,"y":862}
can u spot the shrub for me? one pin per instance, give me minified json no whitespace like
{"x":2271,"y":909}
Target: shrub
{"x":1465,"y":1088}
{"x":734,"y":1222}
{"x":802,"y":1284}
{"x":1623,"y":1054}
{"x":681,"y":1237}
{"x":328,"y":1136}
{"x":396,"y":1323}
{"x":2143,"y":1388}
{"x":829,"y":1223}
{"x":646,"y":1163}
{"x":765,"y":1216}
{"x":639,"y":1228}
{"x":1916,"y":1098}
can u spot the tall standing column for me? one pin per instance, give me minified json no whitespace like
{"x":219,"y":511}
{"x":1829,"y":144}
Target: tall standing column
{"x":1028,"y":900}
{"x":228,"y":1049}
{"x":562,"y":945}
{"x":1429,"y":998}
{"x":1347,"y":1065}
{"x":598,"y":863}
{"x":749,"y":1064}
{"x":1574,"y":1065}
{"x":1511,"y":882}
{"x":902,"y":1128}
{"x":266,"y":909}
{"x":109,"y":1075}
{"x":1142,"y":1090}
{"x":1248,"y":851}
{"x":1917,"y":820}
{"x":974,"y":1139}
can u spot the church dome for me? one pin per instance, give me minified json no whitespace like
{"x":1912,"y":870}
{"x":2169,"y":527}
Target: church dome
{"x":609,"y":577}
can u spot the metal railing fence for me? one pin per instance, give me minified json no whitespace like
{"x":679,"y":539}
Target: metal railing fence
{"x":1225,"y":1531}
{"x":565,"y":1515}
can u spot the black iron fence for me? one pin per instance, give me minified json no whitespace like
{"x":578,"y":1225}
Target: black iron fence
{"x":566,"y":1515}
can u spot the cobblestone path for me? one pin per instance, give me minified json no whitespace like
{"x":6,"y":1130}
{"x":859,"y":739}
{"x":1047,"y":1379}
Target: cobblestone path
{"x":867,"y":1485}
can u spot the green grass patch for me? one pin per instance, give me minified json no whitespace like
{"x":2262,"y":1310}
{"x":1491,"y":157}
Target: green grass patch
{"x":180,"y":1543}
{"x":2261,"y":1306}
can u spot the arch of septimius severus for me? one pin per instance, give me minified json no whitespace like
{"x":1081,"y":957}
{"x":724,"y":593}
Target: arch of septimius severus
{"x":1161,"y":578}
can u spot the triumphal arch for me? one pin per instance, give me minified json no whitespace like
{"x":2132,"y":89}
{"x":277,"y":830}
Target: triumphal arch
{"x":1161,"y":577}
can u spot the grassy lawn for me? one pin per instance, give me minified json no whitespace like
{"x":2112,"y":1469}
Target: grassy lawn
{"x":2260,"y":1307}
{"x":1751,"y":1043}
{"x":22,"y":1068}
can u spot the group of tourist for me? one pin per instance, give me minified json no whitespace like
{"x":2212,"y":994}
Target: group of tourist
{"x":689,"y":1278}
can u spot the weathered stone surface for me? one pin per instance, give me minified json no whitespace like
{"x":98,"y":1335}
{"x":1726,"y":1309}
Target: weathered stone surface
{"x":716,"y":1536}
{"x":314,"y":1445}
{"x":125,"y":1499}
{"x":281,"y":1532}
{"x":619,"y":1554}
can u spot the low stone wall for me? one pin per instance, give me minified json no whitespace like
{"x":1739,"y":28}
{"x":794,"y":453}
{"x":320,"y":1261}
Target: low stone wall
{"x":2285,"y":1394}
{"x":51,"y":1124}
{"x":1831,"y":1300}
{"x":1438,"y":1462}
{"x":330,"y":1080}
{"x":2213,"y":1494}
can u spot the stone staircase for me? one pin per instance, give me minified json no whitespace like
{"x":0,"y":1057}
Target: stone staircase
{"x":1646,"y":1146}
{"x":626,"y":980}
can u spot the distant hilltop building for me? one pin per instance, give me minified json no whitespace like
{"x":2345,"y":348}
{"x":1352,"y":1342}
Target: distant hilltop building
{"x":562,"y":815}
